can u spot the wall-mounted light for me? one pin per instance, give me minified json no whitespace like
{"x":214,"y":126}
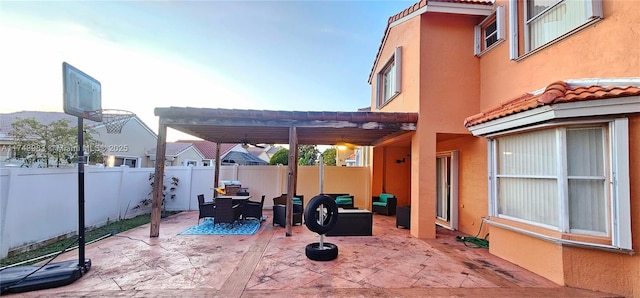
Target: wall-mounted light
{"x":342,"y":145}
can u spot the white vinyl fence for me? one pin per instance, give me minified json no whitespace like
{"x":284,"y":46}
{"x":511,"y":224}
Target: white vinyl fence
{"x":41,"y":204}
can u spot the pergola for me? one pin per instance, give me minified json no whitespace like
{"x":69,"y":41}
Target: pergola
{"x":273,"y":127}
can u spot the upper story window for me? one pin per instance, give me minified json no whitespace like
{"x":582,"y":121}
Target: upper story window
{"x":389,"y":79}
{"x":542,"y":22}
{"x":489,"y":32}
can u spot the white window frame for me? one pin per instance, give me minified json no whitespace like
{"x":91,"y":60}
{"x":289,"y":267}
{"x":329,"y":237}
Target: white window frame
{"x":480,"y":43}
{"x":592,"y":13}
{"x":134,"y":159}
{"x":394,"y":64}
{"x":137,"y":161}
{"x":619,"y":220}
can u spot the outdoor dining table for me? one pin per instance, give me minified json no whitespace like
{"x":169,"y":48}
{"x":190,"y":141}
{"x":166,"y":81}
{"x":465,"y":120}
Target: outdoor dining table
{"x":237,"y":200}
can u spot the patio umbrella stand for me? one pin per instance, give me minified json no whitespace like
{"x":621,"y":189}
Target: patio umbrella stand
{"x":320,"y":216}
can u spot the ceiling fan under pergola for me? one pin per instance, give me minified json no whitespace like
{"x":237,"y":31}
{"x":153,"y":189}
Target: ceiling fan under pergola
{"x":246,"y":143}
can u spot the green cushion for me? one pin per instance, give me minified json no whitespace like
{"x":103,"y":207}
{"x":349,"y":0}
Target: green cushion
{"x":344,"y":200}
{"x":384,"y":197}
{"x":383,"y":204}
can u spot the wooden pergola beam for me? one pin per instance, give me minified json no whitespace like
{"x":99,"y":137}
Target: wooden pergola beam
{"x":216,"y":174}
{"x":292,"y":174}
{"x":156,"y":203}
{"x":274,"y":127}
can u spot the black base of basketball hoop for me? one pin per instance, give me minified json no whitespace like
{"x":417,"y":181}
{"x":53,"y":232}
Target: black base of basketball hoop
{"x":112,"y":119}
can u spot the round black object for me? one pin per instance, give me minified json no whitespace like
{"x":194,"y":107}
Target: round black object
{"x":327,"y":252}
{"x":312,"y":214}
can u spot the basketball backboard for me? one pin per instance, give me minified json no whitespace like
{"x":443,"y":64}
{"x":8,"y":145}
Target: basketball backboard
{"x":82,"y":93}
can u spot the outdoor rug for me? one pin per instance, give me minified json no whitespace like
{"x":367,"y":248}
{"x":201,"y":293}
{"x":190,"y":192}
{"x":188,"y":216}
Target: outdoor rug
{"x":208,"y":227}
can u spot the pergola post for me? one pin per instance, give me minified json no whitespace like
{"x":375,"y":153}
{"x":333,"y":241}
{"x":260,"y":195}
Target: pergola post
{"x":216,"y":177}
{"x":292,"y":178}
{"x":156,"y":203}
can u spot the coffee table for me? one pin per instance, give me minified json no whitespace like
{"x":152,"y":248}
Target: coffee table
{"x":353,"y":222}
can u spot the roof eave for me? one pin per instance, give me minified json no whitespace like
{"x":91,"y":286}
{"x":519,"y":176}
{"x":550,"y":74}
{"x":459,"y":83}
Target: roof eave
{"x":441,"y":7}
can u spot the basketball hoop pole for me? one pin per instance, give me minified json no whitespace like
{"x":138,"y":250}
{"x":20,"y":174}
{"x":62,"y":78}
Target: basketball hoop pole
{"x":80,"y":93}
{"x":81,"y":260}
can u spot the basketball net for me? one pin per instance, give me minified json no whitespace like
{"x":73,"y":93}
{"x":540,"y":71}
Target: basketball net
{"x":112,"y":119}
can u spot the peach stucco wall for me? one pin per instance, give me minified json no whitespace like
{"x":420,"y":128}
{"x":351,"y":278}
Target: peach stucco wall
{"x":444,"y":91}
{"x":407,"y":36}
{"x":472,"y":190}
{"x":445,"y":83}
{"x":351,"y":180}
{"x":602,"y":50}
{"x":540,"y":257}
{"x":449,"y":74}
{"x":397,"y":179}
{"x":449,"y":82}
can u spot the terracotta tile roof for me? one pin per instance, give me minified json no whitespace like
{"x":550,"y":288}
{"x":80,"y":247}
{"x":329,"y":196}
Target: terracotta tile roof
{"x":208,"y":148}
{"x":172,"y":149}
{"x":557,"y":92}
{"x":423,"y":3}
{"x":408,"y":11}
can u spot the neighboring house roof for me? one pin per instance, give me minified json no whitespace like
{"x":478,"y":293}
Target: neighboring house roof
{"x":257,"y":151}
{"x":243,"y":158}
{"x":47,"y":117}
{"x":273,"y":150}
{"x":208,"y":148}
{"x":558,"y":92}
{"x":265,"y":153}
{"x":173,"y":149}
{"x":135,"y":118}
{"x":414,"y":10}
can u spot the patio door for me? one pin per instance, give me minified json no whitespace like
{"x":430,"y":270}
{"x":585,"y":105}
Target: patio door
{"x":447,"y":189}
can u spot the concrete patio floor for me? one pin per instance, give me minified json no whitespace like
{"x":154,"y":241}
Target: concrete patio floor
{"x":391,"y":263}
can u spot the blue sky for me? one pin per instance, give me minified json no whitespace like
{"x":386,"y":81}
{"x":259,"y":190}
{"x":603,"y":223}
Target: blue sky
{"x":276,"y":55}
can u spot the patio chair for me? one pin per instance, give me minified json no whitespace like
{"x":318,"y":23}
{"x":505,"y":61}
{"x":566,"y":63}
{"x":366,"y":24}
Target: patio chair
{"x":206,"y":208}
{"x":385,"y":204}
{"x":279,"y":210}
{"x":253,"y":209}
{"x":225,"y":211}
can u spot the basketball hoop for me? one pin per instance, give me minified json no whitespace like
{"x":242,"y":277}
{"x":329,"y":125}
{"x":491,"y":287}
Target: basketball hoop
{"x":113,"y":119}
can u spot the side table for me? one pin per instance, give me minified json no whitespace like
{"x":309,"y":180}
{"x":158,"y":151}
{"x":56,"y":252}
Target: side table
{"x":403,"y":216}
